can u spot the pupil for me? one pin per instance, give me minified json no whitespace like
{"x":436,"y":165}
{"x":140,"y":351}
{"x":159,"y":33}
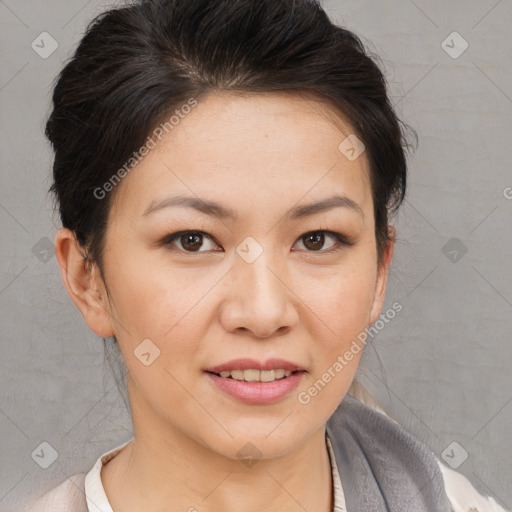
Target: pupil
{"x":192,"y":242}
{"x":319,"y":240}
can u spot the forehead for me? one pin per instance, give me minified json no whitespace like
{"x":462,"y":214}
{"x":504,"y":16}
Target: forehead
{"x":240,"y":149}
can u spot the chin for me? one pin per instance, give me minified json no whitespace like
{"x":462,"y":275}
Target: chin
{"x":261,"y":442}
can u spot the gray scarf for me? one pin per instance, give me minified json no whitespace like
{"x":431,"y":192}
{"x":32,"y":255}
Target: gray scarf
{"x":382,"y":467}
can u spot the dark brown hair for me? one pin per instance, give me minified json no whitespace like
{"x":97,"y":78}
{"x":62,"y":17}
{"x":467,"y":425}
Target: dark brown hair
{"x":137,"y":63}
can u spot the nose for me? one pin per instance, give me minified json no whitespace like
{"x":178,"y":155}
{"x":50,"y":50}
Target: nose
{"x":258,"y":298}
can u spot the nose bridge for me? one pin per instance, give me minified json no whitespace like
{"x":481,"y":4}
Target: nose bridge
{"x":260,"y":301}
{"x":263,"y":285}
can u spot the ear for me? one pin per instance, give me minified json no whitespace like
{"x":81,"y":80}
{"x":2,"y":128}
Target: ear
{"x":83,"y":283}
{"x":382,"y":276}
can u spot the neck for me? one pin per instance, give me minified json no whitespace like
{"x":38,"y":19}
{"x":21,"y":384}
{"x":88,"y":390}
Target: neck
{"x":162,"y":469}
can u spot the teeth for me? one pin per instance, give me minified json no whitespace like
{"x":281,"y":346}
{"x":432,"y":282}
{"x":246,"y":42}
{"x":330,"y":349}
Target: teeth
{"x":237,"y":374}
{"x":252,"y":375}
{"x":256,"y":375}
{"x":267,"y":375}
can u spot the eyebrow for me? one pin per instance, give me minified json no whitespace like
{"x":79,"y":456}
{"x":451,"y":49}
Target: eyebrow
{"x":215,"y":209}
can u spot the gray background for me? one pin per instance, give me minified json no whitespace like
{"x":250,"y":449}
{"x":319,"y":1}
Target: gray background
{"x":442,"y":367}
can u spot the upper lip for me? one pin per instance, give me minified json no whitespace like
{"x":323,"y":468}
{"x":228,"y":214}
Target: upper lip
{"x":253,"y":364}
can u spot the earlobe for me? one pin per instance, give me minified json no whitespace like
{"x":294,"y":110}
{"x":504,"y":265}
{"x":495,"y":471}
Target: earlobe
{"x":83,"y":283}
{"x":382,"y":276}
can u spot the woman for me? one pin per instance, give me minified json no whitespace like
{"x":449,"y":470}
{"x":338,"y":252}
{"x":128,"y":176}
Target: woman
{"x":225,"y":173}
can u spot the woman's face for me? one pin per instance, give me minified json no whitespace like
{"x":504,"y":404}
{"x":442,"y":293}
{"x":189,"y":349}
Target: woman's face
{"x":266,"y":278}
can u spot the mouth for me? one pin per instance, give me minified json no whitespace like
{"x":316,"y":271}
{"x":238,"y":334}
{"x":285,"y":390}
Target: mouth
{"x":256,"y":382}
{"x":254,"y":375}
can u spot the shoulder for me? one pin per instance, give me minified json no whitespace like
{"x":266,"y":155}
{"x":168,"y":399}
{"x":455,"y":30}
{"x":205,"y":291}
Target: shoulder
{"x":69,"y":496}
{"x":463,"y":497}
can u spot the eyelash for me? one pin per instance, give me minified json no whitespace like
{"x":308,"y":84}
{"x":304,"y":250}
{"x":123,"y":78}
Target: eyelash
{"x":341,"y":239}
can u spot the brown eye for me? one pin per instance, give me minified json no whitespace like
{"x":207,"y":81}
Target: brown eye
{"x":190,"y":241}
{"x":314,"y":241}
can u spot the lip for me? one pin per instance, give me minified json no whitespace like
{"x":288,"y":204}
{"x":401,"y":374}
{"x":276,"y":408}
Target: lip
{"x":255,"y":393}
{"x":253,"y":364}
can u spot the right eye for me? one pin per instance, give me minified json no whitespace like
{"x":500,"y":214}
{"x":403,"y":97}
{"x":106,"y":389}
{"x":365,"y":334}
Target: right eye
{"x":190,"y":241}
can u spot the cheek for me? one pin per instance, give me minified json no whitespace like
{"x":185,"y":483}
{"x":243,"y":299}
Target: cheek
{"x":342,"y":297}
{"x":152,"y":300}
{"x":168,"y":308}
{"x":340,"y":305}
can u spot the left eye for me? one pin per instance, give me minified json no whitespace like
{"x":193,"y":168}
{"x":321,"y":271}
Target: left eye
{"x":192,"y":241}
{"x":316,"y":239}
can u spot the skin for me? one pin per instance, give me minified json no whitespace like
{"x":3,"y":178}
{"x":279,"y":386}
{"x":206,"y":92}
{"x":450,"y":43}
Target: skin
{"x":260,"y":155}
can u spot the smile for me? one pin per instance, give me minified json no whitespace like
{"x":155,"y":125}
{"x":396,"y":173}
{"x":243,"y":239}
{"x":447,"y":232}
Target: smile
{"x":249,"y":386}
{"x":256,"y":375}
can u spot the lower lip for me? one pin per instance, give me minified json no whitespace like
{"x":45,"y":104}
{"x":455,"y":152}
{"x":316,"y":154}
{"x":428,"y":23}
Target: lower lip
{"x":257,"y":392}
